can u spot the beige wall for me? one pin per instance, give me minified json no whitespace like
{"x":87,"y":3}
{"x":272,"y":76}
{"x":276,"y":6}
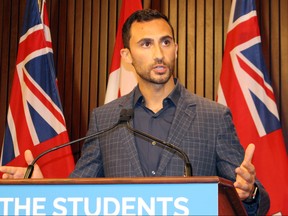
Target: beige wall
{"x":83,"y":34}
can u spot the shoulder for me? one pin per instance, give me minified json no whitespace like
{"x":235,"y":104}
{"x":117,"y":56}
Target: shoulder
{"x":108,"y":114}
{"x":124,"y":102}
{"x":199,"y":103}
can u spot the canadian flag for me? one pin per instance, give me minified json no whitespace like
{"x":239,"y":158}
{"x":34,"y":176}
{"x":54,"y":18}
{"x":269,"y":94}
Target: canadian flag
{"x":122,"y":77}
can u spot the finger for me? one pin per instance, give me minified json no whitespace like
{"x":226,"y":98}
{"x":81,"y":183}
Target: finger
{"x":28,"y":157}
{"x":7,"y":169}
{"x":5,"y":176}
{"x":243,"y":194}
{"x":249,"y":153}
{"x":244,"y":178}
{"x":8,"y":175}
{"x":245,"y":175}
{"x":242,"y":186}
{"x":248,"y":166}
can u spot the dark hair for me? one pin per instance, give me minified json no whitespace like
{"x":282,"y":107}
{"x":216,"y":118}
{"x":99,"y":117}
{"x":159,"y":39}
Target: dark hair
{"x":141,"y":16}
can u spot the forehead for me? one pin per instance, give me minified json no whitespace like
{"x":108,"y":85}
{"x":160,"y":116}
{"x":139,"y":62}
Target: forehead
{"x":150,"y":29}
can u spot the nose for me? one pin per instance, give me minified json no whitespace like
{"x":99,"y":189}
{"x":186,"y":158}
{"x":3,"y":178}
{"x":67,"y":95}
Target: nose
{"x":158,"y":53}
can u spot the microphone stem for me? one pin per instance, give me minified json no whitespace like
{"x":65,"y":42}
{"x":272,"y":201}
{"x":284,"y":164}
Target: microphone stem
{"x":29,"y":171}
{"x":30,"y":168}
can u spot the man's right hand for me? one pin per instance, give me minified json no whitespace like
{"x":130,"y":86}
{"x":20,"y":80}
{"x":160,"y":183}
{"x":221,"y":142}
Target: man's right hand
{"x":11,"y":172}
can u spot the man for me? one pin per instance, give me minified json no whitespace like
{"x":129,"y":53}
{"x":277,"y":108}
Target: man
{"x":165,"y":109}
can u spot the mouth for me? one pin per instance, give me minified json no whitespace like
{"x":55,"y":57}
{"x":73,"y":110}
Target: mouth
{"x":160,"y":68}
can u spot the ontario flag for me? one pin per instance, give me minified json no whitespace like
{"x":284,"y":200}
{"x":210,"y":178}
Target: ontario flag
{"x":122,"y":77}
{"x":35,"y":120}
{"x":245,"y":88}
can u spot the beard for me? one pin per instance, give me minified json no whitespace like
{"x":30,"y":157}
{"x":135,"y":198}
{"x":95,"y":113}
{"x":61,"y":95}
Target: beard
{"x":146,"y":73}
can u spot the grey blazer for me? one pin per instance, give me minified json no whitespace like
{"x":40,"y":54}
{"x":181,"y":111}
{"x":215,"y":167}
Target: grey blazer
{"x":201,"y":128}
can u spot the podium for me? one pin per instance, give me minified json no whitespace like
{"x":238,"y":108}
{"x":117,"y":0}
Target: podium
{"x":120,"y":196}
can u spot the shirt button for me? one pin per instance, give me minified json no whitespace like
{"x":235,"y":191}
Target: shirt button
{"x":153,"y":172}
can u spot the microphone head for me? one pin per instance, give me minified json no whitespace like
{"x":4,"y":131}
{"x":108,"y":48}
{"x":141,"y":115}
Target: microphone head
{"x":126,"y":115}
{"x":130,"y":112}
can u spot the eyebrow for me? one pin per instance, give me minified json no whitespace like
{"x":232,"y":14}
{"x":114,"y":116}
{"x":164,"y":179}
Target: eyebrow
{"x":167,"y":37}
{"x":150,"y":39}
{"x":144,"y":40}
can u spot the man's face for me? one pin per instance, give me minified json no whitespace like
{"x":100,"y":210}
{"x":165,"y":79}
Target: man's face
{"x":153,"y":51}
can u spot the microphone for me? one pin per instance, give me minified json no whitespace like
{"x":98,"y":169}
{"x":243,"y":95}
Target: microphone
{"x":123,"y":118}
{"x":187,"y":168}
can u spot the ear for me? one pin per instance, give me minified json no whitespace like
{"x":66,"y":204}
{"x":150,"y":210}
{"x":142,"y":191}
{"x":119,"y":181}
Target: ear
{"x":126,"y":55}
{"x":176,"y":50}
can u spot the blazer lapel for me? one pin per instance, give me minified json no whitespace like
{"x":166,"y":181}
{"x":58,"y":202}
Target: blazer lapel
{"x":128,"y":140}
{"x":184,"y":116}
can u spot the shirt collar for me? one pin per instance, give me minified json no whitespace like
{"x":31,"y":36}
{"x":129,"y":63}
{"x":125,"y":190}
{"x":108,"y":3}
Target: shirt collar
{"x":173,"y":96}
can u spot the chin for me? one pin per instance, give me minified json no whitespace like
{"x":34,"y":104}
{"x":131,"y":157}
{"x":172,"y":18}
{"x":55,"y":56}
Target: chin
{"x":161,"y":81}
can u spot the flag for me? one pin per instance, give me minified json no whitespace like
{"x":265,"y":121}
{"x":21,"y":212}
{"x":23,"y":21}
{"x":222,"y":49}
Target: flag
{"x":122,"y":77}
{"x":35,"y":120}
{"x":46,"y":26}
{"x":245,"y":87}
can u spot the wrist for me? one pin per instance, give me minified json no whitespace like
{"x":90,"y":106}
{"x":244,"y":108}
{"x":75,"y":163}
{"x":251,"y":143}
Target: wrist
{"x":252,"y":196}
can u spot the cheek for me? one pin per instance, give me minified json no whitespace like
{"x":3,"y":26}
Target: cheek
{"x":140,"y":60}
{"x":172,"y":54}
{"x":169,"y":58}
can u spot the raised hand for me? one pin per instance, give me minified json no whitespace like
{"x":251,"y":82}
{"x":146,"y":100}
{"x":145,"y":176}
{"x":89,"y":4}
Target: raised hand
{"x":246,"y":174}
{"x":11,"y":172}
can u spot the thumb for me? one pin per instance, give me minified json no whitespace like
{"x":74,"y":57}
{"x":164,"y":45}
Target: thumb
{"x":249,"y":152}
{"x":28,"y":157}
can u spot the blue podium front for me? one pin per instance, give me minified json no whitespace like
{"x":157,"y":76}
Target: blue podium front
{"x":120,"y":196}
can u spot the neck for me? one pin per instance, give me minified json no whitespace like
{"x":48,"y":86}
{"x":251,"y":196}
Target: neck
{"x":154,"y":94}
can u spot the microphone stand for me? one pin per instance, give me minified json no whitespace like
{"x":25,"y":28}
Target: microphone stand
{"x":125,"y":116}
{"x":187,"y":167}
